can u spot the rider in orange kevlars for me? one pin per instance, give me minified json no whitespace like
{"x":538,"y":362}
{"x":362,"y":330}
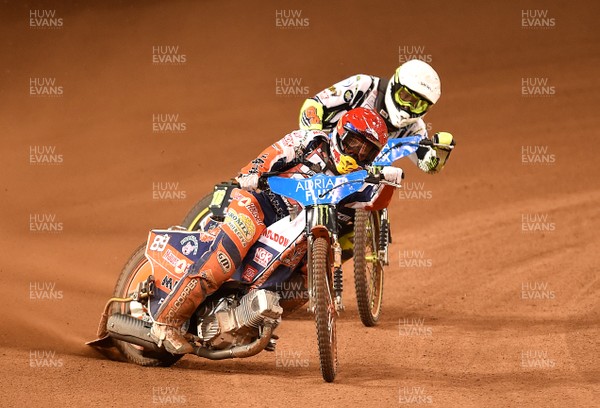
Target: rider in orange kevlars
{"x":356,"y":141}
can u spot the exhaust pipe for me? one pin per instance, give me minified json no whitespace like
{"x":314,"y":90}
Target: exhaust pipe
{"x":136,"y":331}
{"x":247,"y":350}
{"x":131,"y":330}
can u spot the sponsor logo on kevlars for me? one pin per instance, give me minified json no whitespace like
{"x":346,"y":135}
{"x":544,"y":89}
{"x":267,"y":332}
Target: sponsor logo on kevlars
{"x":241,"y":225}
{"x":275,"y":237}
{"x":189,"y":245}
{"x":249,"y":273}
{"x":224,"y":261}
{"x":262,"y":257}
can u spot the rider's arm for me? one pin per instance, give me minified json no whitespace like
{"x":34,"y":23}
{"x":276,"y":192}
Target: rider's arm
{"x":287,"y":150}
{"x":322,"y":111}
{"x":432,"y":159}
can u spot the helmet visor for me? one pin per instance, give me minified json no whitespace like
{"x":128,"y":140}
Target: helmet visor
{"x":408,"y":100}
{"x":356,"y":146}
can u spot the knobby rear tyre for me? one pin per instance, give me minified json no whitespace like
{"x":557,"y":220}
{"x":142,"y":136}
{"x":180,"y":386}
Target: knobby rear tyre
{"x":133,"y":353}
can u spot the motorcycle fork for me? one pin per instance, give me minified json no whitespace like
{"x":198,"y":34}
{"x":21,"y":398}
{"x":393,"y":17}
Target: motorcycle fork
{"x":384,"y":237}
{"x":321,"y":221}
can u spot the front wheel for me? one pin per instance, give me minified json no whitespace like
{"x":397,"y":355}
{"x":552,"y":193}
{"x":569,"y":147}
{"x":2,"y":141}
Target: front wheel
{"x":198,"y":213}
{"x":325,"y":313}
{"x":368,"y":268}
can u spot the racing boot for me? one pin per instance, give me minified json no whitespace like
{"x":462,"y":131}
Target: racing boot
{"x":174,"y":312}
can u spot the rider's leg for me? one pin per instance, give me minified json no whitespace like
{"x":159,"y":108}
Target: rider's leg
{"x":242,"y":226}
{"x":346,"y":232}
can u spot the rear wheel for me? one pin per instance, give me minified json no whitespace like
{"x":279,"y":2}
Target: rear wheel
{"x":135,"y":271}
{"x":368,"y":268}
{"x":325,"y":312}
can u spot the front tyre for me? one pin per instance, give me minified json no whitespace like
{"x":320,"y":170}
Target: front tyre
{"x":198,"y":213}
{"x":325,"y":313}
{"x":368,"y":268}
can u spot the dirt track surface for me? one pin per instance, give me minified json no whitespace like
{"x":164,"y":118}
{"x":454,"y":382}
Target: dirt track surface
{"x":479,"y":310}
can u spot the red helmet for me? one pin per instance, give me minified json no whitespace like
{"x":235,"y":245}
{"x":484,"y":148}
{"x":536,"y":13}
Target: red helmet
{"x":358,"y":138}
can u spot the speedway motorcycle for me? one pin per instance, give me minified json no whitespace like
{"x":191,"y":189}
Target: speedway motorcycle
{"x":239,"y":319}
{"x":372,"y":236}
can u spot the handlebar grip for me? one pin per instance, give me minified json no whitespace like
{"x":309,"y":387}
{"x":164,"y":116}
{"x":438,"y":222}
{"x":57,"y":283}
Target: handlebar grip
{"x":262,"y":180}
{"x":263,"y":183}
{"x":374,"y":179}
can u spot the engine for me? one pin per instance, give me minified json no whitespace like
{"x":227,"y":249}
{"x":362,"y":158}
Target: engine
{"x":234,"y":322}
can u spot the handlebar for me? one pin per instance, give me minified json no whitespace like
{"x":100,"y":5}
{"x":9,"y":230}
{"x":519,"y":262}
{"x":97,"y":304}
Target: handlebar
{"x":372,"y":178}
{"x":263,"y":184}
{"x":379,"y":179}
{"x":428,"y":142}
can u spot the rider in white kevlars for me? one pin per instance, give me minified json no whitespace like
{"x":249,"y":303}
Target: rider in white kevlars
{"x":402,"y":101}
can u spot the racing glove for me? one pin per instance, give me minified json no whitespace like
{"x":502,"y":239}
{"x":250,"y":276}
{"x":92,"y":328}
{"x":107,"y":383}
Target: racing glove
{"x":248,"y":182}
{"x":392,"y":174}
{"x":444,"y":144}
{"x":429,"y":161}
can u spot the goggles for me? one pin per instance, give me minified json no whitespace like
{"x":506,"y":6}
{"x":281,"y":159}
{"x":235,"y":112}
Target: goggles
{"x":361,"y":150}
{"x":411,"y":101}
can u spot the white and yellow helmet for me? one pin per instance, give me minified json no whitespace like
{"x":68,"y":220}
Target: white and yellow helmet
{"x":410,"y":93}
